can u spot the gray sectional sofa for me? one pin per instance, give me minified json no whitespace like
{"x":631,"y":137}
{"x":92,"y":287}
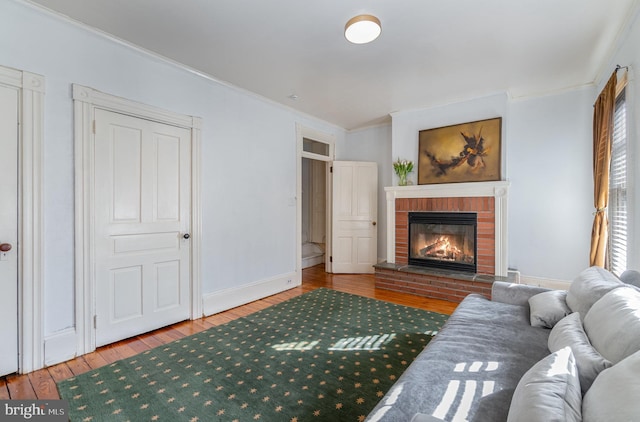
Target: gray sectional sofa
{"x":529,"y":354}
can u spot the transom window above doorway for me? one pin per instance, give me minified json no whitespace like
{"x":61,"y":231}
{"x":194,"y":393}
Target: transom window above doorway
{"x":315,"y":147}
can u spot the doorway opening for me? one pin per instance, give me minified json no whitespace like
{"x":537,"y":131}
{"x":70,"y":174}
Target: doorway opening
{"x":315,"y":154}
{"x":314,"y":212}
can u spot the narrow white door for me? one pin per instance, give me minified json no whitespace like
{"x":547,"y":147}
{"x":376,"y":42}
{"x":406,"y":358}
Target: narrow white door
{"x":8,"y":230}
{"x":142,"y":215}
{"x":355,"y":216}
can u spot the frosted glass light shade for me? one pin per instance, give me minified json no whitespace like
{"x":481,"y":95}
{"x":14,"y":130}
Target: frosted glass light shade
{"x":362,"y":29}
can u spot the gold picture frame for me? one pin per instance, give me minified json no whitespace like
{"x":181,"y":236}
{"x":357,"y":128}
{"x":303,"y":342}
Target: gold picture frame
{"x":466,"y":152}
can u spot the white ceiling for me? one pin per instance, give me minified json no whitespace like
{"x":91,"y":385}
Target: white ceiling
{"x":430,"y":52}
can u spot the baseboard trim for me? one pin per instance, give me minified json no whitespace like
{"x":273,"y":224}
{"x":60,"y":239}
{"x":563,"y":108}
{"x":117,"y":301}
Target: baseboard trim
{"x":60,"y":347}
{"x":549,"y":283}
{"x":230,"y":298}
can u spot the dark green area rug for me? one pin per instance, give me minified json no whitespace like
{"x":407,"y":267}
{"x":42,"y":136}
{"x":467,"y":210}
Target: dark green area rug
{"x":322,"y":356}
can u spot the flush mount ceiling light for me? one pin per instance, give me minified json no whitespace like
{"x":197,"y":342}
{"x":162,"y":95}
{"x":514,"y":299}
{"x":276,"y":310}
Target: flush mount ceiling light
{"x":362,"y":29}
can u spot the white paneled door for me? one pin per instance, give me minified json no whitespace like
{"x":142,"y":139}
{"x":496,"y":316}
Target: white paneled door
{"x":142,"y":217}
{"x":8,"y":230}
{"x":355,"y":216}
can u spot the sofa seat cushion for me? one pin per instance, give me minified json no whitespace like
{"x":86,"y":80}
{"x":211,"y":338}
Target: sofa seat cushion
{"x":588,"y":287}
{"x":549,"y":391}
{"x":471,"y":368}
{"x":613,"y":324}
{"x":421,"y":417}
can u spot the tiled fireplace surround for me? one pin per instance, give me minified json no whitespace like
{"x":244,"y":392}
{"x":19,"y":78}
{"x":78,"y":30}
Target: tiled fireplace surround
{"x":487,"y":199}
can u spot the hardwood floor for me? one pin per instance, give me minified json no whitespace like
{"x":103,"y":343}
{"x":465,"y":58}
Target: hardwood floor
{"x":41,"y":384}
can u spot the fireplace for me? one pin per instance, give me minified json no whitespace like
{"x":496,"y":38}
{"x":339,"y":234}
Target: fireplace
{"x":486,"y":200}
{"x":445,"y":240}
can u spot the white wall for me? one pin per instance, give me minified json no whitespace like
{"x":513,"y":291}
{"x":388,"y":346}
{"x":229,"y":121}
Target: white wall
{"x":547,"y":147}
{"x":372,"y":144}
{"x":549,"y":161}
{"x":249,"y":157}
{"x":407,"y":124}
{"x":248,"y":152}
{"x":546,"y":155}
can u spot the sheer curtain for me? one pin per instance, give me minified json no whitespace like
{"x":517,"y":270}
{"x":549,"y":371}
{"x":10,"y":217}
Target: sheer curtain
{"x":602,"y":134}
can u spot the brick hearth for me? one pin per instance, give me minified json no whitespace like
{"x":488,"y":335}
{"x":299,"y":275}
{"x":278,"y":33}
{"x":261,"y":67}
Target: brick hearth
{"x":438,"y":284}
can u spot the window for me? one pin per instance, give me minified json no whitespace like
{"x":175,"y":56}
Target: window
{"x":618,"y":189}
{"x":316,"y":147}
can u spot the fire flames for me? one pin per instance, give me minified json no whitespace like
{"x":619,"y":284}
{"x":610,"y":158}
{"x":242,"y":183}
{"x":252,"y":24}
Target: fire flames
{"x":443,"y":249}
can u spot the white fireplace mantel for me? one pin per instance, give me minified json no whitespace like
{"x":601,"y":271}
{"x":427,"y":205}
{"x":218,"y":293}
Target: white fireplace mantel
{"x":498,"y":190}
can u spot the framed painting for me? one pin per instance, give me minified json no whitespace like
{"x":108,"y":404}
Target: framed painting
{"x":466,"y":152}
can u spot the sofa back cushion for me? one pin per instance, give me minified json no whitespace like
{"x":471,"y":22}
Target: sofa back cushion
{"x":614,"y":394}
{"x":549,"y":391}
{"x":613,"y":324}
{"x":631,"y":277}
{"x":569,"y":332}
{"x":588,"y":287}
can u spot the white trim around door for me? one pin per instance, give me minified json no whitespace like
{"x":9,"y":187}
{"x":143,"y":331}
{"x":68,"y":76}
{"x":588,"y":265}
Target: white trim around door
{"x":86,"y":101}
{"x":30,"y":216}
{"x":303,"y":133}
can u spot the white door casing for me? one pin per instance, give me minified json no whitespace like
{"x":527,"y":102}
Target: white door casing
{"x":87,"y":102}
{"x":9,"y":229}
{"x":30,"y":89}
{"x":303,"y":133}
{"x":355,"y":214}
{"x":142,"y":212}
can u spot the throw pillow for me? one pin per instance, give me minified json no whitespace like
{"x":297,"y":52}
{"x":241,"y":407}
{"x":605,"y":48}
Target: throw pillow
{"x":589,"y":286}
{"x":547,"y":308}
{"x":613,"y":324}
{"x":569,"y":332}
{"x":549,"y":391}
{"x":614,"y":394}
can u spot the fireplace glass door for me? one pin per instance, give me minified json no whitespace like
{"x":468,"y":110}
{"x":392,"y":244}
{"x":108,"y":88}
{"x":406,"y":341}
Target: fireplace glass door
{"x":443,"y":240}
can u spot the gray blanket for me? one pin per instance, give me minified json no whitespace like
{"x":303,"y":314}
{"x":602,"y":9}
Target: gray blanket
{"x":470,"y":369}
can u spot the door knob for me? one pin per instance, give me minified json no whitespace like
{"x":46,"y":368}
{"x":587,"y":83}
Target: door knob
{"x":186,"y":235}
{"x":374,"y":223}
{"x":5,"y":247}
